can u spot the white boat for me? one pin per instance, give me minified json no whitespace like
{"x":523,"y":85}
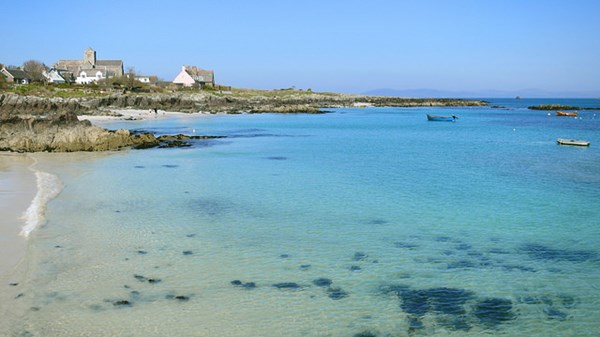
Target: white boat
{"x":574,"y":142}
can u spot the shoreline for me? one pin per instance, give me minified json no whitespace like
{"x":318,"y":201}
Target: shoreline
{"x":18,"y":189}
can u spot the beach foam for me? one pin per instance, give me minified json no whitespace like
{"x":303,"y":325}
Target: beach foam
{"x":48,"y":187}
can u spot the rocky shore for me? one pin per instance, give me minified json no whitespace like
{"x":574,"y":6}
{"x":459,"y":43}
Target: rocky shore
{"x":34,"y":123}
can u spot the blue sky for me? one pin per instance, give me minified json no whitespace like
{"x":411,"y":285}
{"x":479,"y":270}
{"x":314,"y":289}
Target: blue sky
{"x":344,"y":46}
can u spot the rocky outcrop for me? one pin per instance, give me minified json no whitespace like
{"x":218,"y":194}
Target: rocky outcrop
{"x":63,"y":132}
{"x":32,"y":124}
{"x":252,"y":102}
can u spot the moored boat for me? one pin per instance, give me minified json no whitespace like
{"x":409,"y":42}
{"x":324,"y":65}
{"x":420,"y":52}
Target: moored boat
{"x":562,"y":113}
{"x":575,"y":142}
{"x":441,"y":118}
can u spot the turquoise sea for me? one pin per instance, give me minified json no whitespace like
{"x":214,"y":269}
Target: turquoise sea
{"x":358,"y":222}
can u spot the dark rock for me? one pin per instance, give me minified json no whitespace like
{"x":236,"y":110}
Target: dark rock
{"x":415,"y":302}
{"x":122,"y":303}
{"x":277,"y":158}
{"x":359,"y":256}
{"x":142,"y":252}
{"x":187,"y":252}
{"x":249,"y":285}
{"x":140,"y":278}
{"x":322,"y":282}
{"x":154,"y":280}
{"x":305,"y":267}
{"x":286,"y":285}
{"x":139,"y":166}
{"x":336,"y":293}
{"x":19,"y":295}
{"x":493,"y":311}
{"x":355,"y":268}
{"x":190,"y":235}
{"x":449,"y":301}
{"x":553,"y":313}
{"x":541,"y":252}
{"x":170,"y":165}
{"x":182,"y":298}
{"x":284,"y":256}
{"x":236,"y":282}
{"x":13,"y":284}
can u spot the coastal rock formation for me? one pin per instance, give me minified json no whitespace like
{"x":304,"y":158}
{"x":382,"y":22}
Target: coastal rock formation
{"x":34,"y":123}
{"x":63,"y":132}
{"x":240,"y":102}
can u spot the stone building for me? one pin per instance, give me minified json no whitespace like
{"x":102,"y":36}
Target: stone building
{"x":193,"y":76}
{"x":91,"y":69}
{"x":15,"y":76}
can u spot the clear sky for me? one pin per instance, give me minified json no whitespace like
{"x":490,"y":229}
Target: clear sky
{"x":337,"y":45}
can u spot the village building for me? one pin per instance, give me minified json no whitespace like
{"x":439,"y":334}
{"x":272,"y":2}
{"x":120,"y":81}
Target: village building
{"x":54,"y":75}
{"x":16,"y":76}
{"x":91,"y":69}
{"x":193,"y":76}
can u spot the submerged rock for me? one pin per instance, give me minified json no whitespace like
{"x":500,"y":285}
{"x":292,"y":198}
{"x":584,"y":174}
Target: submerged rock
{"x":286,"y":285}
{"x":493,"y":311}
{"x":122,"y":303}
{"x":553,"y":313}
{"x":541,"y":252}
{"x":322,"y":282}
{"x":336,"y":293}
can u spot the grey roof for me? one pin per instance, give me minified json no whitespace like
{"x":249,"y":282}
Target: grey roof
{"x":109,"y":62}
{"x":17,"y":73}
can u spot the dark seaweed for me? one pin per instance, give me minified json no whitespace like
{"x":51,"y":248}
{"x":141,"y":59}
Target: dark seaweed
{"x":336,"y":293}
{"x":493,"y":311}
{"x":322,"y":282}
{"x":359,"y":256}
{"x":541,"y":252}
{"x":286,"y":285}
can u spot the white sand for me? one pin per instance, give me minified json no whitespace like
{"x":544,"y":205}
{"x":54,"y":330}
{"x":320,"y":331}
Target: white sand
{"x":133,"y":115}
{"x":17,"y":190}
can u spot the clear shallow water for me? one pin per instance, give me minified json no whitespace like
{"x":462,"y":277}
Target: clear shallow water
{"x":482,"y":227}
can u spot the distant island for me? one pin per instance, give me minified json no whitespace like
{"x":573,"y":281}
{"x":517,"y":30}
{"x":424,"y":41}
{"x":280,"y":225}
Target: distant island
{"x":559,"y":107}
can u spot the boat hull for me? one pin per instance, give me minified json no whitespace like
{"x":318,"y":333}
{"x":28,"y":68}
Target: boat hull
{"x":572,"y":142}
{"x":569,"y":114}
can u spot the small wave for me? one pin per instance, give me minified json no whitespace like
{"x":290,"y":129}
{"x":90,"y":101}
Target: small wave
{"x":48,"y":187}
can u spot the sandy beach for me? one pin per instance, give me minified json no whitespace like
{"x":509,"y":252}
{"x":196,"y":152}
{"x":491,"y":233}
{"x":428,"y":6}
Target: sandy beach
{"x":17,"y":190}
{"x":136,"y":115}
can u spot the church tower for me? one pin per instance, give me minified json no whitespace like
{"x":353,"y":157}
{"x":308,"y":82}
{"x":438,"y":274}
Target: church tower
{"x":89,"y":57}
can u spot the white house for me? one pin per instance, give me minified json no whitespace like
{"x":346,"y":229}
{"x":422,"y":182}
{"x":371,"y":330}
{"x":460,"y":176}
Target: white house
{"x":88,"y":76}
{"x":53,"y":76}
{"x":192,"y":76}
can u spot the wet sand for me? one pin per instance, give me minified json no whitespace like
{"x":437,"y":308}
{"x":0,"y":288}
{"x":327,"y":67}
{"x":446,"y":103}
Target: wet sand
{"x":17,"y":190}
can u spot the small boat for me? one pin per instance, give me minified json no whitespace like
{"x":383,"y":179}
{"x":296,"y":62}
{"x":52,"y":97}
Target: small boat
{"x":441,"y":118}
{"x":574,"y":142}
{"x":562,"y":113}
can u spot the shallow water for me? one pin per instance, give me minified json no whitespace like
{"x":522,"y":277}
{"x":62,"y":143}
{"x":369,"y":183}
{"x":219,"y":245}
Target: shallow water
{"x":482,"y":227}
